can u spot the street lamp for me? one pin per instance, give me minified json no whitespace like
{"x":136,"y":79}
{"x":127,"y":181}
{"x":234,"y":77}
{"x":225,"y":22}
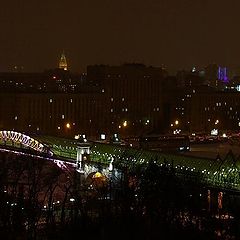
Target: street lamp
{"x":175,"y":127}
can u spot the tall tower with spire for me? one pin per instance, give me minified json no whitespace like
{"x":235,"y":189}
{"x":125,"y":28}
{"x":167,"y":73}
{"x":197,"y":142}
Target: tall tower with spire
{"x":63,"y":62}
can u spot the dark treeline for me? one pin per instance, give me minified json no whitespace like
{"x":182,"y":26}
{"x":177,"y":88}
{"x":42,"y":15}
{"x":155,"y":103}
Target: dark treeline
{"x":39,"y":200}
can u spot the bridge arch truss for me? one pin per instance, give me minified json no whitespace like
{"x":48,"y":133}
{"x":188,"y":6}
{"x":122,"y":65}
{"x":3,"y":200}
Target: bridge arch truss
{"x":24,"y":140}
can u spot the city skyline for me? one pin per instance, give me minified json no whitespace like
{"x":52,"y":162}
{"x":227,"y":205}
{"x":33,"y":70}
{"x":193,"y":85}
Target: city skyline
{"x":175,"y":34}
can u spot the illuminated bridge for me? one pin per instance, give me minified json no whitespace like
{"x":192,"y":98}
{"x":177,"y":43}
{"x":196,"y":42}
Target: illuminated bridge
{"x":218,"y":172}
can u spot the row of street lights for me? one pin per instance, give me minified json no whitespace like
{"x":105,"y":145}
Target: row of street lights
{"x":177,"y":130}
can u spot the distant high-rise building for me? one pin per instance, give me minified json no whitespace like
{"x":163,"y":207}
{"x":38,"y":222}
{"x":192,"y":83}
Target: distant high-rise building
{"x":223,"y":75}
{"x":63,"y":62}
{"x":216,"y":76}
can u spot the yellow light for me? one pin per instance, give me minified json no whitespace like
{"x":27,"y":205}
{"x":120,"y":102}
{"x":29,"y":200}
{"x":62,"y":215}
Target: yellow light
{"x":125,"y":123}
{"x":68,"y":125}
{"x":176,"y":122}
{"x":97,"y":175}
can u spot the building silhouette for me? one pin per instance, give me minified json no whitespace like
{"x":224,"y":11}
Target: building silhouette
{"x":129,"y":99}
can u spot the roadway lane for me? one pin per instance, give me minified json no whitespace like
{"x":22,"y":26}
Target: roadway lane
{"x":211,"y":150}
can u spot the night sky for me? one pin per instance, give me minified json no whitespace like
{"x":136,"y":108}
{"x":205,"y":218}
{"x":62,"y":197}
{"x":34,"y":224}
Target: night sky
{"x":177,"y":33}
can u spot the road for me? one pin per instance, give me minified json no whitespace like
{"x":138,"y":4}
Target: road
{"x":211,"y":150}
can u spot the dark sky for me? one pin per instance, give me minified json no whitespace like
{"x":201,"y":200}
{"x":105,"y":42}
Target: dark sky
{"x":176,"y":33}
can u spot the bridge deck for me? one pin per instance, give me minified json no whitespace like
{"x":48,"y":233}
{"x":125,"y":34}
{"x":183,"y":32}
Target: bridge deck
{"x":219,"y":170}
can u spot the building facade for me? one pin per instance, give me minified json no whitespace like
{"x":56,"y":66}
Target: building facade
{"x":135,"y":95}
{"x":131,"y":99}
{"x":218,"y":110}
{"x":54,"y":113}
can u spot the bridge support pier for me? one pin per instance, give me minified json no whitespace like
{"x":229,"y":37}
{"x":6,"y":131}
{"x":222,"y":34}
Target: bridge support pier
{"x":83,"y":153}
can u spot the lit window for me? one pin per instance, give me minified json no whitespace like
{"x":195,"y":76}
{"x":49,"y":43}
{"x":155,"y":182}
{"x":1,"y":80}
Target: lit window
{"x":63,"y":116}
{"x":50,"y":100}
{"x":16,"y":118}
{"x":126,"y":109}
{"x":111,"y":99}
{"x":103,"y":90}
{"x":111,"y":109}
{"x":71,"y":100}
{"x":123,"y":99}
{"x":123,"y":109}
{"x":157,"y":109}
